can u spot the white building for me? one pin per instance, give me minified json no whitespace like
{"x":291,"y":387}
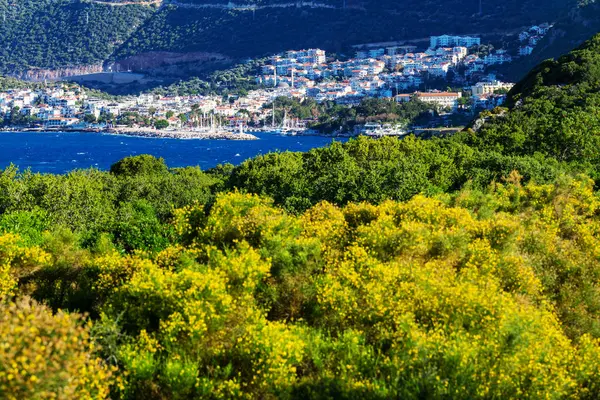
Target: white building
{"x":499,"y":57}
{"x":451,"y":41}
{"x":485,"y":88}
{"x":60,"y":121}
{"x":443,"y":99}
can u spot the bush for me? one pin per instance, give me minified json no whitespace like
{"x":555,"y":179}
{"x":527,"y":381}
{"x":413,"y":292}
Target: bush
{"x":48,"y":356}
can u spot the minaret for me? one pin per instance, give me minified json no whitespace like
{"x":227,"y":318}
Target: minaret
{"x":293,"y":70}
{"x":275,"y":85}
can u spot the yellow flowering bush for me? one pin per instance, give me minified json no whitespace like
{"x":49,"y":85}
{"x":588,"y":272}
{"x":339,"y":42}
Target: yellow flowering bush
{"x":476,"y":295}
{"x":45,"y":356}
{"x":17,"y":262}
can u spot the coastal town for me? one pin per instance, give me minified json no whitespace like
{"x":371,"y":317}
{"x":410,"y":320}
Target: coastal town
{"x":396,"y":73}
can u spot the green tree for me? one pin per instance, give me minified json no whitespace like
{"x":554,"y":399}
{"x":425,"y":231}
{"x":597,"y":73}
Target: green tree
{"x":161,"y":124}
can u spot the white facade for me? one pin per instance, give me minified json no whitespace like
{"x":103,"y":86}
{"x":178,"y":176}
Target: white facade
{"x":443,"y":99}
{"x":451,"y":41}
{"x":525,"y":50}
{"x":485,"y":88}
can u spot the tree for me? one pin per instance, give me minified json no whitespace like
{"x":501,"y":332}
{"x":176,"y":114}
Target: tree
{"x":161,"y":124}
{"x":139,"y":165}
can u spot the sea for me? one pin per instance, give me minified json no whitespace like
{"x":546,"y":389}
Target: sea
{"x":61,"y":152}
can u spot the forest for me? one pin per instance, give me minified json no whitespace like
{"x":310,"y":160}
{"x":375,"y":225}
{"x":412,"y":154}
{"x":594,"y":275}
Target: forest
{"x":463,"y":267}
{"x":179,"y":26}
{"x":45,"y":34}
{"x":52,"y":34}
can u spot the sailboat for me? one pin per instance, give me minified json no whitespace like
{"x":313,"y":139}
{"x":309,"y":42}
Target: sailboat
{"x":286,"y":128}
{"x":274,"y":129}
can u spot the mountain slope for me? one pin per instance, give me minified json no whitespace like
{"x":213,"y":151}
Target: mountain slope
{"x":239,"y":30}
{"x":570,"y":31}
{"x":63,"y":33}
{"x":554,"y":111}
{"x":58,"y":34}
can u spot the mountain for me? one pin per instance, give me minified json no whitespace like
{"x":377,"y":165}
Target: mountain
{"x":570,"y":30}
{"x":553,"y":112}
{"x":145,"y":35}
{"x":61,"y":34}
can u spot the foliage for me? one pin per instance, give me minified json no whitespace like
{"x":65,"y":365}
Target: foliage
{"x":375,"y":170}
{"x":237,"y":33}
{"x":475,"y":295}
{"x":161,"y":124}
{"x":55,"y":34}
{"x":46,"y":356}
{"x":133,"y":203}
{"x":461,"y":267}
{"x":237,"y":80}
{"x":553,"y":111}
{"x":329,"y":116}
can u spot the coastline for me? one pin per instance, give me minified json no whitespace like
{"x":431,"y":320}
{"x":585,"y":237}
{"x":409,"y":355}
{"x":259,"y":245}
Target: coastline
{"x":147,"y":133}
{"x":180,"y":134}
{"x":183,"y":134}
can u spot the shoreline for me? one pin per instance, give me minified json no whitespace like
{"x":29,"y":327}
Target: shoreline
{"x":146,"y":133}
{"x":180,"y":134}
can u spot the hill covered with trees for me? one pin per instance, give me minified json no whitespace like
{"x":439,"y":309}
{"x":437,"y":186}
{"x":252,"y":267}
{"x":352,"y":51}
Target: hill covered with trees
{"x":570,"y":31}
{"x":459,"y":267}
{"x":554,"y":112}
{"x":52,"y":34}
{"x":187,"y":26}
{"x":58,"y":34}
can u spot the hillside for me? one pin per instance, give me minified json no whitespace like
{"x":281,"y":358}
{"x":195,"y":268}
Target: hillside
{"x":554,"y":111}
{"x":49,"y":34}
{"x":473,"y":296}
{"x":570,"y":31}
{"x":58,"y":34}
{"x":245,"y":32}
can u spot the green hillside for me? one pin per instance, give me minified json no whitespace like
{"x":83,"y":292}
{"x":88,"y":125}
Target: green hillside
{"x":64,"y":33}
{"x":242,"y":33}
{"x":554,"y":112}
{"x":570,"y":31}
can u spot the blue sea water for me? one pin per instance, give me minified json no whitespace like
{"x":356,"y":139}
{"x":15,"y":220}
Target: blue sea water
{"x":62,"y":152}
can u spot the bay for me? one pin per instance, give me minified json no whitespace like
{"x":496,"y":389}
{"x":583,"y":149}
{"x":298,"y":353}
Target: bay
{"x":60,"y":152}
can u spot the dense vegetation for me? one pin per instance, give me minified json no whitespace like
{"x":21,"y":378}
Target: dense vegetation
{"x":53,"y":34}
{"x":569,"y":31}
{"x":65,"y":33}
{"x":461,"y":267}
{"x":242,"y":33}
{"x":479,"y":294}
{"x":554,"y":112}
{"x":329,"y":116}
{"x":236,"y":80}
